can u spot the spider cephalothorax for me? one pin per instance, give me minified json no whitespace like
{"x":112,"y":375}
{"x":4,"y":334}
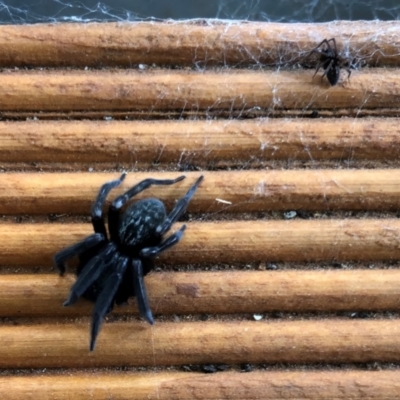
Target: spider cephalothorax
{"x":331,"y":61}
{"x":111,"y":268}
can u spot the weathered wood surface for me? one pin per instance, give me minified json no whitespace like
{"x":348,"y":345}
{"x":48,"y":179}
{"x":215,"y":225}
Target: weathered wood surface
{"x":227,"y":241}
{"x":201,"y":43}
{"x":221,"y":191}
{"x":37,"y":332}
{"x":66,"y":345}
{"x":220,"y":292}
{"x":142,"y":143}
{"x":208,"y":91}
{"x":272,"y":385}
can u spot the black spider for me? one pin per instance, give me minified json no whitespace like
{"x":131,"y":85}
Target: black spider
{"x":331,"y":61}
{"x":112,"y":269}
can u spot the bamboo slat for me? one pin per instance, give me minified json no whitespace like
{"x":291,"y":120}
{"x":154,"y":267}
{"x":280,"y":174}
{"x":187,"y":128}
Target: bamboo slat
{"x":217,"y":292}
{"x":194,"y":91}
{"x":228,"y":191}
{"x":200,"y":43}
{"x":145,"y":142}
{"x":147,"y":92}
{"x":225,"y":242}
{"x":230,"y":342}
{"x":290,"y":385}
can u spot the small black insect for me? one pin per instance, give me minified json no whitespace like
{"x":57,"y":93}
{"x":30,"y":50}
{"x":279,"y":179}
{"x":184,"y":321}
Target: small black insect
{"x":331,"y":61}
{"x":111,"y":269}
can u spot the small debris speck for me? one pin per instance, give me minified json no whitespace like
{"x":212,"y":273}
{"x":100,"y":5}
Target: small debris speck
{"x":246,"y":368}
{"x":209,"y":369}
{"x":289,"y":214}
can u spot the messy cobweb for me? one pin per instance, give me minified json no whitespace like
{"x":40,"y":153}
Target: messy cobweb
{"x":232,"y":13}
{"x":23,"y":11}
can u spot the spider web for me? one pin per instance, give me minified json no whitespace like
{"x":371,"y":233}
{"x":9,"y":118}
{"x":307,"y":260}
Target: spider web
{"x":231,"y":12}
{"x":22,"y":11}
{"x":314,"y":11}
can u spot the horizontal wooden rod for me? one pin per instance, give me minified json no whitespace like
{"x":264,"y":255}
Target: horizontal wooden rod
{"x":193,"y":43}
{"x":217,"y":292}
{"x":140,"y":344}
{"x":290,"y":385}
{"x":227,"y":191}
{"x":194,"y":91}
{"x":224,"y":242}
{"x":188,"y":142}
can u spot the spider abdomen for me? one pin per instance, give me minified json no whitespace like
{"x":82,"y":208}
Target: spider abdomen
{"x":333,"y":75}
{"x":137,"y":227}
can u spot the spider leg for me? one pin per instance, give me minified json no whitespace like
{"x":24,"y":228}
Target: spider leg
{"x":97,"y":208}
{"x":113,"y":212}
{"x":316,"y":48}
{"x":327,"y":69}
{"x":179,"y":208}
{"x":150,"y":252}
{"x":333,"y":40}
{"x":105,"y":299}
{"x":62,"y":256}
{"x":140,"y":291}
{"x":320,"y":64}
{"x":90,"y":273}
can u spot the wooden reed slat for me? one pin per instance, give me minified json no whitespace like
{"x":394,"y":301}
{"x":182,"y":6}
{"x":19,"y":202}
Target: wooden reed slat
{"x":193,"y":91}
{"x":217,"y":292}
{"x":193,"y":43}
{"x":231,"y":342}
{"x":224,"y":242}
{"x":271,"y":385}
{"x":227,"y":191}
{"x":181,"y":142}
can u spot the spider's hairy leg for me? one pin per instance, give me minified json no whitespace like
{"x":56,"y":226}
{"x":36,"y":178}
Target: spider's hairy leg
{"x":327,"y":69}
{"x":62,"y":256}
{"x":150,"y":252}
{"x":97,"y":208}
{"x":179,"y":208}
{"x":320,"y":64}
{"x":315,"y":49}
{"x":90,"y":273}
{"x":105,"y":299}
{"x":140,"y":291}
{"x":120,"y":201}
{"x":333,"y":40}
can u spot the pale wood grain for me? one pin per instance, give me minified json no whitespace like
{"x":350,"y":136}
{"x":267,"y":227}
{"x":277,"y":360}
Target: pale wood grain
{"x":232,"y":342}
{"x":222,"y":191}
{"x":188,"y":142}
{"x":271,"y":385}
{"x":217,"y":292}
{"x":201,"y":43}
{"x":208,"y":91}
{"x":224,"y":242}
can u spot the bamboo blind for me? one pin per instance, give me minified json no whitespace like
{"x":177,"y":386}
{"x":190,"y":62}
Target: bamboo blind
{"x":308,"y":306}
